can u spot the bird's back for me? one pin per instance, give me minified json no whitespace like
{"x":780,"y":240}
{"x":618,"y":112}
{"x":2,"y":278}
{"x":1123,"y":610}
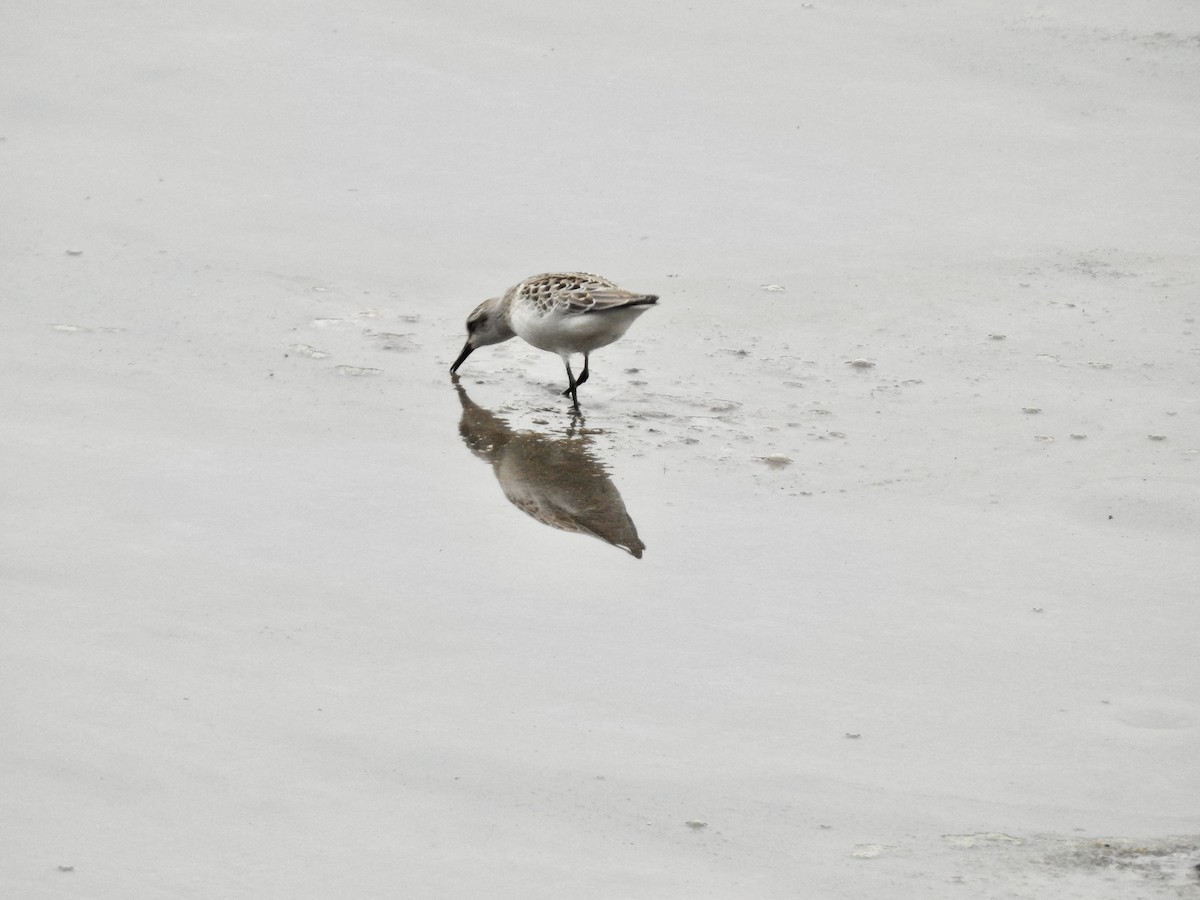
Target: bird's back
{"x":574,"y":293}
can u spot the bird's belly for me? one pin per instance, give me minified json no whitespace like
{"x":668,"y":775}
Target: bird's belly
{"x":578,"y":333}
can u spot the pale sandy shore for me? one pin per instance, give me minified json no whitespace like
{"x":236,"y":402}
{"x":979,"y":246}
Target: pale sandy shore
{"x":909,"y":449}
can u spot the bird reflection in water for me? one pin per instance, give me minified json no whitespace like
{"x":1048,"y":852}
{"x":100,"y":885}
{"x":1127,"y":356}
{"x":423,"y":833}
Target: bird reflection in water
{"x":556,"y":479}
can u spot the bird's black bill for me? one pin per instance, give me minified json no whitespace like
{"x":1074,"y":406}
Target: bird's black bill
{"x":466,"y":351}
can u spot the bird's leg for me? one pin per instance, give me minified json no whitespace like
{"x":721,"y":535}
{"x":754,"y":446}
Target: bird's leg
{"x":571,"y":385}
{"x":583,"y":376}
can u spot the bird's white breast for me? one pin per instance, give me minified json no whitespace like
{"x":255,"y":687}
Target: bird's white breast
{"x":563,"y":332}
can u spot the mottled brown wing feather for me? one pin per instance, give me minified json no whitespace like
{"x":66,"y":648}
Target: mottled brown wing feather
{"x":579,"y":292}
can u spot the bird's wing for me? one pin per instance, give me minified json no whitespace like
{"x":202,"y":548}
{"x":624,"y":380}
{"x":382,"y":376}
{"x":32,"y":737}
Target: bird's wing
{"x":580,"y":292}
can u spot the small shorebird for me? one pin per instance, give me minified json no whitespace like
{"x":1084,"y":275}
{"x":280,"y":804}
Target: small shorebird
{"x":561,"y":312}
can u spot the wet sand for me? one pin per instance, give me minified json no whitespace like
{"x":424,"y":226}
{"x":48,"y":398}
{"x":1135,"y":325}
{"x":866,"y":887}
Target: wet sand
{"x":883,"y":579}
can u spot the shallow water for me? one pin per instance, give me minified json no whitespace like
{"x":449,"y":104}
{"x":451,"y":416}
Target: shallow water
{"x":869,"y":561}
{"x":270,"y":578}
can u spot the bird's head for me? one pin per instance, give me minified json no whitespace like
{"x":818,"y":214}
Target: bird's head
{"x":487,"y":324}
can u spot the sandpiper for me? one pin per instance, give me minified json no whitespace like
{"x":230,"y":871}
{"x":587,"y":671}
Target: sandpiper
{"x":561,"y":312}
